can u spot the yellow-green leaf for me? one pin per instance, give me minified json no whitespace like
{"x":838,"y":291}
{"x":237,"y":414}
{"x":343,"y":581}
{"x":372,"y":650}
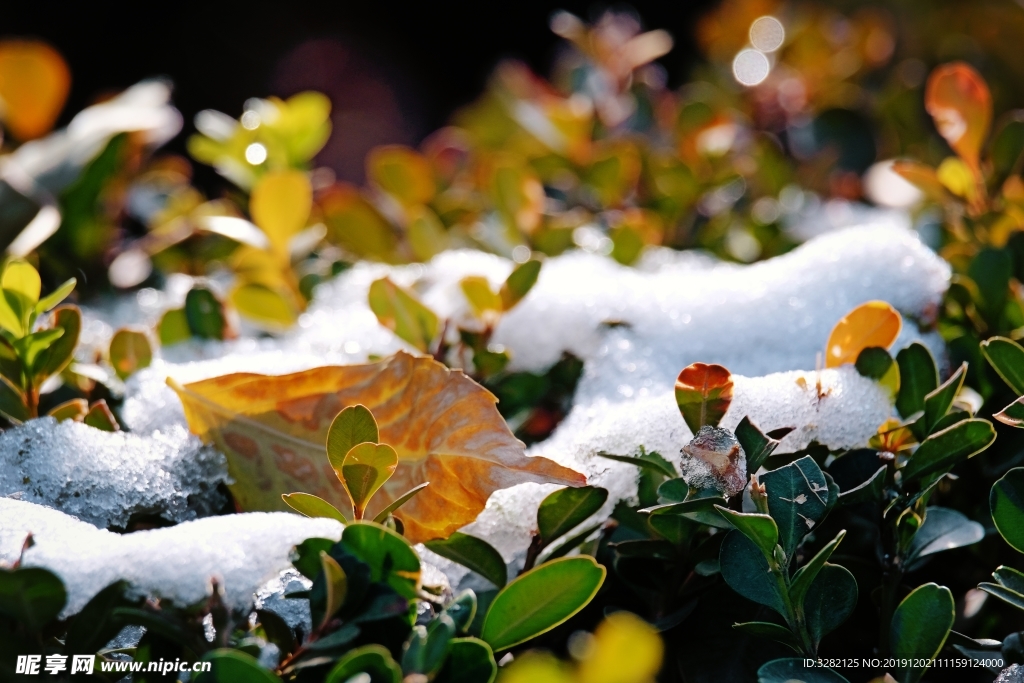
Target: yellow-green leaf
{"x":874,"y":323}
{"x":403,"y":173}
{"x":426,"y":233}
{"x":100,"y":417}
{"x":957,"y":178}
{"x":404,"y":314}
{"x":56,"y":296}
{"x":130,"y":351}
{"x":280,"y":204}
{"x":352,"y":426}
{"x":479,"y":294}
{"x":264,"y":305}
{"x":313,"y":506}
{"x":337,"y":585}
{"x":364,"y":470}
{"x":519,"y":283}
{"x":75,"y":409}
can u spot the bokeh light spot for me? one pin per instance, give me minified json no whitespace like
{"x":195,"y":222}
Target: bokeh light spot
{"x":255,"y":154}
{"x":767,"y":34}
{"x":750,"y":67}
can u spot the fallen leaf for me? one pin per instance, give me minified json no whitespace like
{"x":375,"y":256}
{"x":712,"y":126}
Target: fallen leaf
{"x":703,"y":394}
{"x":874,"y":323}
{"x":443,"y":426}
{"x":958,"y":100}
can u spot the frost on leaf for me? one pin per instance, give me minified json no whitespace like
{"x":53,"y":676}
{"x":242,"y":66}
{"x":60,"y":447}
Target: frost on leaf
{"x":714,"y":459}
{"x":444,"y":427}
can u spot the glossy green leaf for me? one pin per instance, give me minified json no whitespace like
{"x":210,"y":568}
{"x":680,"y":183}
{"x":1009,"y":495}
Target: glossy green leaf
{"x":1007,"y":595}
{"x":470,"y":660}
{"x":313,"y":506}
{"x":700,"y":508}
{"x":390,"y":557}
{"x":942,"y":450}
{"x":870,"y":490}
{"x":1010,"y":578}
{"x":875,"y":363}
{"x":540,"y":600}
{"x":793,"y":671}
{"x":991,"y":270}
{"x":32,"y":345}
{"x":562,"y":549}
{"x":918,"y":378}
{"x":756,"y":445}
{"x":307,"y":556}
{"x":938,"y":402}
{"x":404,"y":314}
{"x":60,"y":352}
{"x":519,"y":283}
{"x":766,"y":629}
{"x":234,"y":666}
{"x":565,"y":509}
{"x":1007,"y":358}
{"x":337,"y":586}
{"x":352,"y":426}
{"x":920,"y":626}
{"x":798,"y":499}
{"x":129,"y":351}
{"x":205,"y":314}
{"x":830,"y":600}
{"x":746,"y":570}
{"x":365,"y":469}
{"x":479,"y":294}
{"x":760,"y":529}
{"x":373,"y":660}
{"x":382,"y":516}
{"x":943,"y":529}
{"x":101,"y":417}
{"x":75,"y":409}
{"x":56,"y":296}
{"x":31,"y":595}
{"x":473,"y":553}
{"x":804,"y":577}
{"x":1006,"y":502}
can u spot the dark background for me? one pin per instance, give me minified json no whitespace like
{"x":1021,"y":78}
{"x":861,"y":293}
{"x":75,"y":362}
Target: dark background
{"x":394,"y":70}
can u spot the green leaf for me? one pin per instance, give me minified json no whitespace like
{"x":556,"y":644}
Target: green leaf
{"x":565,"y":509}
{"x":1007,"y":146}
{"x":427,"y":646}
{"x":390,"y":557}
{"x":870,"y":490}
{"x":470,"y":660}
{"x":267,"y":307}
{"x":205,"y":314}
{"x":32,"y":345}
{"x":700,"y":508}
{"x":760,"y":529}
{"x":307,"y":556}
{"x":1006,"y":502}
{"x":918,"y":378}
{"x":942,"y":450}
{"x":374,"y":660}
{"x":173,"y":327}
{"x":129,"y":352}
{"x":875,"y":363}
{"x":793,"y":671}
{"x":830,"y":601}
{"x":382,"y":516}
{"x":1012,"y":414}
{"x":312,"y":506}
{"x":943,"y":529}
{"x":473,"y":553}
{"x":920,"y":626}
{"x":462,"y":610}
{"x":55,"y":297}
{"x":1010,"y":578}
{"x":519,"y":283}
{"x":479,"y":294}
{"x":651,"y":465}
{"x":337,"y":586}
{"x":404,"y":314}
{"x":746,"y":570}
{"x":563,"y":548}
{"x":703,"y":394}
{"x":59,"y":353}
{"x":991,"y":270}
{"x":1005,"y":594}
{"x":364,"y":470}
{"x":352,"y":426}
{"x":12,"y":402}
{"x":938,"y":402}
{"x":804,"y":577}
{"x":31,"y":595}
{"x":100,"y":417}
{"x":755,"y":444}
{"x":540,"y":600}
{"x":1007,"y":358}
{"x":21,"y":287}
{"x":798,"y":499}
{"x":234,"y":666}
{"x":766,"y":629}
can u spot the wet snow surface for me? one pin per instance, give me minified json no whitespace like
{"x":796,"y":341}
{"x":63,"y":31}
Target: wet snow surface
{"x":766,"y":322}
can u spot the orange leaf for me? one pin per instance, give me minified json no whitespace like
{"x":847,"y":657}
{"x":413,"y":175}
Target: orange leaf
{"x":875,"y":323}
{"x":34,"y":82}
{"x":703,"y":394}
{"x":960,"y":104}
{"x":443,"y":426}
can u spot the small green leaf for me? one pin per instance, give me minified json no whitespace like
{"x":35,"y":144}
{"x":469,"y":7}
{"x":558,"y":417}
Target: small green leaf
{"x":382,"y":516}
{"x":563,"y":548}
{"x":746,"y":570}
{"x":870,"y":490}
{"x":920,"y":626}
{"x":1007,"y":358}
{"x":938,"y":402}
{"x":793,"y":671}
{"x":830,"y":600}
{"x":234,"y":666}
{"x":267,"y":307}
{"x":404,"y":314}
{"x":519,"y":283}
{"x":364,"y":470}
{"x":337,"y":586}
{"x":942,"y":450}
{"x":100,"y":417}
{"x":540,"y":600}
{"x":32,"y":345}
{"x":943,"y":529}
{"x":991,"y":270}
{"x":12,"y":402}
{"x":703,"y":394}
{"x":567,"y":508}
{"x":173,"y":327}
{"x":875,"y":363}
{"x":1005,"y":594}
{"x":352,"y":426}
{"x":470,"y":660}
{"x":1010,"y":578}
{"x":374,"y":660}
{"x":918,"y":378}
{"x":804,"y":577}
{"x":755,"y":444}
{"x":1006,"y":502}
{"x":798,"y":499}
{"x":61,"y":351}
{"x":473,"y":553}
{"x":130,"y":351}
{"x":75,"y":409}
{"x":32,"y":596}
{"x":55,"y":297}
{"x":307,"y":556}
{"x":479,"y":294}
{"x":766,"y":629}
{"x":312,"y":506}
{"x":760,"y":529}
{"x":205,"y":314}
{"x":699,"y":507}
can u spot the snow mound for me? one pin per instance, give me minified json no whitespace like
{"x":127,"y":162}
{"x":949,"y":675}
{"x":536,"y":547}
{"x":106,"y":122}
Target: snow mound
{"x":104,"y":478}
{"x":241,"y":551}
